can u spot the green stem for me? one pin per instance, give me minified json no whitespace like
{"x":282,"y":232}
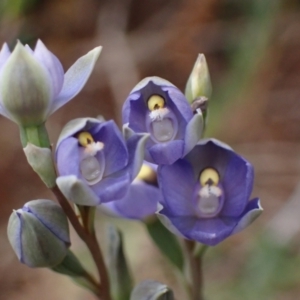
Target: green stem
{"x":36,"y":135}
{"x":90,"y":240}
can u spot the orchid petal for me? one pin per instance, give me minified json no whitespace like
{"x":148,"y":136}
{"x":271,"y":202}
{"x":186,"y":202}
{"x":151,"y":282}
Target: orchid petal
{"x":112,"y":188}
{"x":52,"y":65}
{"x":193,"y":132}
{"x":115,"y":150}
{"x":77,"y":191}
{"x":177,"y":185}
{"x":252,"y":211}
{"x":67,"y":157}
{"x":143,"y":197}
{"x":166,"y":153}
{"x":76,"y":77}
{"x":136,"y":150}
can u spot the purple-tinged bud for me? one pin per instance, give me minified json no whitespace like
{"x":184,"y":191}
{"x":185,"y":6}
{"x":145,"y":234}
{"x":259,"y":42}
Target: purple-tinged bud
{"x":39,"y":233}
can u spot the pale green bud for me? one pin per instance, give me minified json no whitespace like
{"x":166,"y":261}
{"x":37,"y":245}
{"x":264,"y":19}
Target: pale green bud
{"x":39,"y":234}
{"x":151,"y":290}
{"x":199,"y":84}
{"x":25,"y":88}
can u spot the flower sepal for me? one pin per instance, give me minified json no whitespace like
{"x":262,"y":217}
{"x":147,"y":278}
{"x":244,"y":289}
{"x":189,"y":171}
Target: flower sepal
{"x":40,"y":159}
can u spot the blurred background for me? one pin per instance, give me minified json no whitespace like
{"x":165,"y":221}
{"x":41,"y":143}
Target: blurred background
{"x":252,"y":48}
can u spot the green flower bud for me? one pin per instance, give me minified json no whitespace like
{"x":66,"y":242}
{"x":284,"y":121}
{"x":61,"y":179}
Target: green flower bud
{"x":199,"y":84}
{"x":25,"y":88}
{"x":33,"y":84}
{"x":39,"y":234}
{"x":151,"y":290}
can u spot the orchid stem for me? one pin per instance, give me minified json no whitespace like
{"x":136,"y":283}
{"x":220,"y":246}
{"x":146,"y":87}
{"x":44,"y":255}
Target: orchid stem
{"x":90,"y":239}
{"x":195,"y":267}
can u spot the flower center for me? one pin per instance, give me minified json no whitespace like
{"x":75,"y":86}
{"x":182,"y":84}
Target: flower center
{"x":92,"y":162}
{"x":210,"y":195}
{"x":146,"y":174}
{"x":162,"y":122}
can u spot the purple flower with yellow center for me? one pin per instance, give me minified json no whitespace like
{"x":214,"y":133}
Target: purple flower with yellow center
{"x":95,"y":163}
{"x":33,"y":84}
{"x":157,"y":107}
{"x":142,"y":198}
{"x":206,"y":194}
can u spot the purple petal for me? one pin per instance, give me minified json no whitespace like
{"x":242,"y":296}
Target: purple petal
{"x":167,"y":222}
{"x":179,"y":101}
{"x":52,"y":65}
{"x":140,"y":201}
{"x":76,"y":125}
{"x":115,"y":150}
{"x":252,"y":211}
{"x":134,"y":112}
{"x":76,"y":77}
{"x":206,"y":231}
{"x":136,"y":150}
{"x":67,"y":156}
{"x":126,"y":110}
{"x":236,"y":174}
{"x":166,"y":153}
{"x":4,"y":55}
{"x":208,"y":154}
{"x":238,"y":185}
{"x":177,"y":185}
{"x":193,"y":133}
{"x":112,"y":188}
{"x":77,"y":191}
{"x":155,"y":79}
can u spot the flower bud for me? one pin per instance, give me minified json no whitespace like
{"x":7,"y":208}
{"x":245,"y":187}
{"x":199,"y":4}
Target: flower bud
{"x":33,"y":84}
{"x":39,"y":233}
{"x":198,"y":84}
{"x":153,"y":290}
{"x":24,"y":87}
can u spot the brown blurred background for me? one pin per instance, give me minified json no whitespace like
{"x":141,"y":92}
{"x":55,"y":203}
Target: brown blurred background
{"x":253,"y":52}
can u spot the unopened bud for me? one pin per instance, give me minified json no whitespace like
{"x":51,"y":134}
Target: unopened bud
{"x":199,"y":84}
{"x":39,"y":233}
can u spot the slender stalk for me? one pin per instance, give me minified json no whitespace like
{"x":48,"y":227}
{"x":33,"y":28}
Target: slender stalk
{"x":90,"y":240}
{"x":195,"y":266}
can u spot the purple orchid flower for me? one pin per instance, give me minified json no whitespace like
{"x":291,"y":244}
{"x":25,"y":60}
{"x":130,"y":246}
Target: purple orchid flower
{"x":157,"y":107}
{"x":206,"y":194}
{"x":96,"y":165}
{"x":33,"y":84}
{"x":142,"y":198}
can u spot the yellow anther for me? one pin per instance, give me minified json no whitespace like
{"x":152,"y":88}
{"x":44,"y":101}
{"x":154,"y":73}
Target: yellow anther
{"x":156,"y":102}
{"x":146,"y":173}
{"x":209,"y":176}
{"x":85,"y":138}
